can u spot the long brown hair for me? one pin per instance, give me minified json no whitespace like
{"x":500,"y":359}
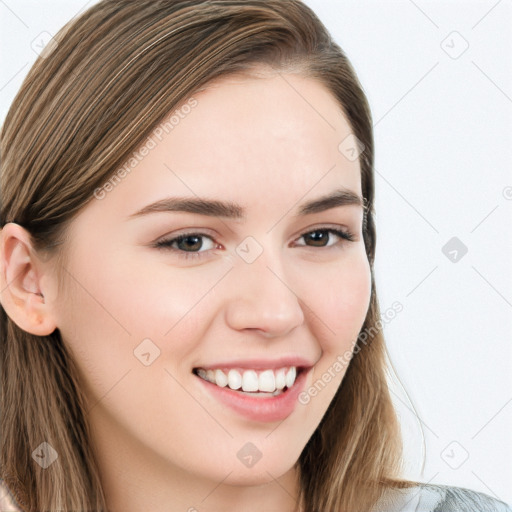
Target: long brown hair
{"x":89,"y":101}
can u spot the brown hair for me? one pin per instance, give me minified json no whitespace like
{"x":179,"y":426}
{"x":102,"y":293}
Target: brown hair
{"x":92,"y":98}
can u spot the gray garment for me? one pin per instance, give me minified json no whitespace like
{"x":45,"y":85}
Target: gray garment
{"x":422,"y":498}
{"x":439,"y":498}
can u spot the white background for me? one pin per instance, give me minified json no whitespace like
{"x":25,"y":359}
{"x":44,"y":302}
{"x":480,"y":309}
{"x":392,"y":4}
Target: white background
{"x":443,"y":132}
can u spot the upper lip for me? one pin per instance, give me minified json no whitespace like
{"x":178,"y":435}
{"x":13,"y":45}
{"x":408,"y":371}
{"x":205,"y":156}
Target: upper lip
{"x":260,"y":364}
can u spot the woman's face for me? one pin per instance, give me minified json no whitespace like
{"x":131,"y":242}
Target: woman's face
{"x":255,"y":289}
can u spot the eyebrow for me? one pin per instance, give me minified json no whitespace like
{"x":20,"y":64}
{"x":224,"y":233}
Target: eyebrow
{"x":231,"y":210}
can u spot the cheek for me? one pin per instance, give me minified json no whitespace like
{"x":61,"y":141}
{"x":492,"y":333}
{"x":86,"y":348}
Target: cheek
{"x":108,"y":310}
{"x":341,"y":308}
{"x":341,"y":299}
{"x":159,"y":296}
{"x":131,"y":297}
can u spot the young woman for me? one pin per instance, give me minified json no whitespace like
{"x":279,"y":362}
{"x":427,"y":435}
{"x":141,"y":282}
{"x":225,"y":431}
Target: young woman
{"x":188,"y":300}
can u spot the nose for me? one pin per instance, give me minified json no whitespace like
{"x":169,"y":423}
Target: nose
{"x":261,"y":298}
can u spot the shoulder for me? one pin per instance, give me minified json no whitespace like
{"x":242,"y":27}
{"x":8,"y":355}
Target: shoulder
{"x":438,"y":498}
{"x":7,"y":503}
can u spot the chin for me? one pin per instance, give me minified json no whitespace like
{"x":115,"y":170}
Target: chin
{"x":252,"y":476}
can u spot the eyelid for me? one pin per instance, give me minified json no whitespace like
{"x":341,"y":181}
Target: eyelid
{"x":324,"y":226}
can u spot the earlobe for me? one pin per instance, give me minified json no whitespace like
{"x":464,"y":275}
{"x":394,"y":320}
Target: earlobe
{"x":22,"y":296}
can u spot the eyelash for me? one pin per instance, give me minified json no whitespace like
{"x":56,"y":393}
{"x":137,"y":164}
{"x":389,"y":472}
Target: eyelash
{"x":345,"y":235}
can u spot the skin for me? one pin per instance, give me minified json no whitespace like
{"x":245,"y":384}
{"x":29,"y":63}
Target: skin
{"x":163,"y":443}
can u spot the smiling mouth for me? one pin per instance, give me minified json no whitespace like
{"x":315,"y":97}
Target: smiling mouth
{"x":264,"y":383}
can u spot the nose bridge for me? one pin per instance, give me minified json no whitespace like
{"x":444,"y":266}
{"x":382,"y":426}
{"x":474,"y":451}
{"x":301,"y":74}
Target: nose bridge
{"x":262,"y":298}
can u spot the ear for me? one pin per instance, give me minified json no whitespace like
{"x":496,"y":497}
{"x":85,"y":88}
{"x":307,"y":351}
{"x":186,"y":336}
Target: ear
{"x":23,"y":278}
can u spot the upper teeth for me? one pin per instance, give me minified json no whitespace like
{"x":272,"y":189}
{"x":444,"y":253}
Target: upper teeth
{"x":250,"y":380}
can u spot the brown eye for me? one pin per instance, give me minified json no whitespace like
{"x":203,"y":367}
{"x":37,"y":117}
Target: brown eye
{"x":320,"y":237}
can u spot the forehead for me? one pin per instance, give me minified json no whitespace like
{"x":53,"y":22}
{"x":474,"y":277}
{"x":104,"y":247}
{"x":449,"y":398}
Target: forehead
{"x":282,"y":126}
{"x":281,"y":108}
{"x":266,"y":143}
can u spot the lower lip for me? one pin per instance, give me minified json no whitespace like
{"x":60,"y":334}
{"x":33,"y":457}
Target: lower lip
{"x":262,"y":409}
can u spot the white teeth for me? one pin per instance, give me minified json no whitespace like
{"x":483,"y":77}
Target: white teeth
{"x":290,"y":376}
{"x":267,"y":381}
{"x":221,"y":379}
{"x":234,"y":379}
{"x":280,"y":378}
{"x":250,"y":381}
